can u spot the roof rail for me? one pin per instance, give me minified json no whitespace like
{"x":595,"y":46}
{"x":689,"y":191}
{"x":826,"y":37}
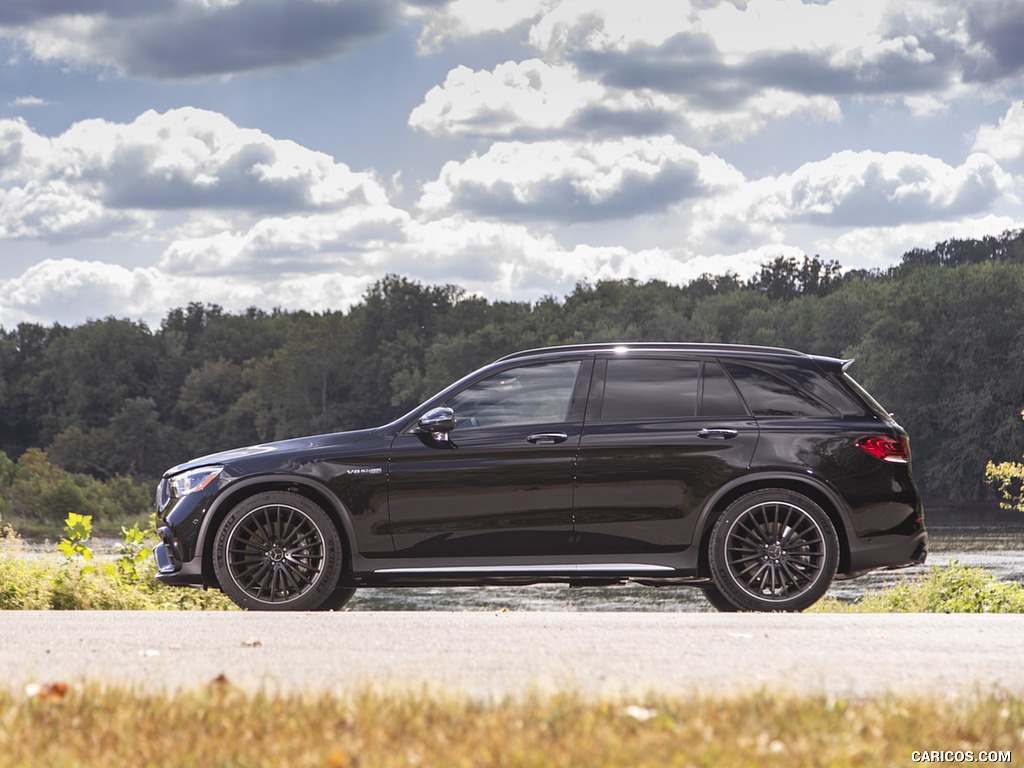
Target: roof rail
{"x":656,"y":345}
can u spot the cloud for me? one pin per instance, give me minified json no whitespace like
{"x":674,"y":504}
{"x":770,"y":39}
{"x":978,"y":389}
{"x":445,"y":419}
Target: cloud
{"x":1004,"y":141}
{"x":722,"y":54}
{"x":28,"y":101}
{"x":500,"y":261}
{"x":276,"y":246}
{"x":534,"y":99}
{"x":565,"y":181}
{"x":168,"y":39}
{"x":99,"y":177}
{"x":880,"y":247}
{"x":859,"y":189}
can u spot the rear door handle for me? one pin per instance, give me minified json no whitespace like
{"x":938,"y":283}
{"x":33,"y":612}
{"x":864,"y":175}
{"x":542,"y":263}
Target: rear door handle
{"x":717,"y":434}
{"x":547,"y":438}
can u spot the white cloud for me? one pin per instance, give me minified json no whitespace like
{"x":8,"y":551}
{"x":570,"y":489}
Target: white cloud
{"x":28,"y":101}
{"x":167,"y":39}
{"x":881,"y":247}
{"x":534,"y":99}
{"x":99,"y":177}
{"x":861,"y":189}
{"x":565,"y":181}
{"x":1004,"y":141}
{"x":468,"y":18}
{"x":516,"y":96}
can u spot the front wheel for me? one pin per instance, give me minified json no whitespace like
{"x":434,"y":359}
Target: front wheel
{"x":279,"y":551}
{"x":773,"y":550}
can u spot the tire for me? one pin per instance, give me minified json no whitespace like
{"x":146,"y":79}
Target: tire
{"x":719,"y":601}
{"x":773,"y":550}
{"x":279,"y":551}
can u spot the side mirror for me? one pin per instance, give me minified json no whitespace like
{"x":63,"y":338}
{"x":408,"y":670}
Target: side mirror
{"x":438,"y":422}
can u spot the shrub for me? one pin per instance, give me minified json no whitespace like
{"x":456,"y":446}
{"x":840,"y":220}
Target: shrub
{"x":37,"y":491}
{"x":954,"y":588}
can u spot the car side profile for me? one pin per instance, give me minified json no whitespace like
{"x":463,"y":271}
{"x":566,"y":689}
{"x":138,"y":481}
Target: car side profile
{"x":758,"y":475}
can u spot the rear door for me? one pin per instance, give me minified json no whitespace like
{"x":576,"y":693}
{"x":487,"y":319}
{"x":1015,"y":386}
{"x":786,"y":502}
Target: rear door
{"x":662,"y":433}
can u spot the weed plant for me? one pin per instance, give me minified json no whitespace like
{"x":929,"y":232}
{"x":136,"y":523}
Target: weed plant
{"x":79,"y":580}
{"x":954,"y":588}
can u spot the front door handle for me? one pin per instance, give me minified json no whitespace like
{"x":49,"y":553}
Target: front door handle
{"x":717,"y":434}
{"x":547,"y":438}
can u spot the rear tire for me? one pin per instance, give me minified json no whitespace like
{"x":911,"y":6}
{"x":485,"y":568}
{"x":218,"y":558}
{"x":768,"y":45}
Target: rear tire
{"x":279,"y":551}
{"x":773,"y":550}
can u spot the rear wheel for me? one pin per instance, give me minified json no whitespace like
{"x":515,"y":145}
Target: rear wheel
{"x":773,"y":550}
{"x":279,"y":551}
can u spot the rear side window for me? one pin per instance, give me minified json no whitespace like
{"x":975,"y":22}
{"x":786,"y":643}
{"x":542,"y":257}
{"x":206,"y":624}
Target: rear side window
{"x":643,"y":389}
{"x":768,"y":395}
{"x":720,"y":396}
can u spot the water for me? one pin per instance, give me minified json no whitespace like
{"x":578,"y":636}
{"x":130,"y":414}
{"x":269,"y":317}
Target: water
{"x":997,"y":546}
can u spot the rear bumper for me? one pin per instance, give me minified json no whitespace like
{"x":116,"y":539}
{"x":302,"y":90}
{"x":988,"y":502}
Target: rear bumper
{"x":886,"y":553}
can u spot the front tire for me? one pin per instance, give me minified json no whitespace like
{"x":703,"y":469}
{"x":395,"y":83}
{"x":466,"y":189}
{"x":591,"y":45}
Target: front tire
{"x":773,"y":550}
{"x":279,"y":551}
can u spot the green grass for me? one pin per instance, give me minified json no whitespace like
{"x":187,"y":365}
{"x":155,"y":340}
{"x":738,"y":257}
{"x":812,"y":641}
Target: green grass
{"x":218,"y":726}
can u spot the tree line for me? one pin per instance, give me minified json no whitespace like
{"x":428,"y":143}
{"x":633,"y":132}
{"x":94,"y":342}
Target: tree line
{"x":938,"y":339}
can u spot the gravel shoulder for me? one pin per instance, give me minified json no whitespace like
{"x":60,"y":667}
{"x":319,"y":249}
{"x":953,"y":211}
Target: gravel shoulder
{"x":513,"y":653}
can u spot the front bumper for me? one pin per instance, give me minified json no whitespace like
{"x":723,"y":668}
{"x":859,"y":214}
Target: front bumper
{"x":171,"y":571}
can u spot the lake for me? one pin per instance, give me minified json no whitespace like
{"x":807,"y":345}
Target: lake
{"x":995,"y":543}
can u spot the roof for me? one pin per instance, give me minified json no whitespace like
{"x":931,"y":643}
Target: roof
{"x":673,"y":346}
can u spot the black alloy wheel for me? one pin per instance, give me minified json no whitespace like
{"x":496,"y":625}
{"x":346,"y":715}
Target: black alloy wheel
{"x":773,"y":550}
{"x":279,"y":551}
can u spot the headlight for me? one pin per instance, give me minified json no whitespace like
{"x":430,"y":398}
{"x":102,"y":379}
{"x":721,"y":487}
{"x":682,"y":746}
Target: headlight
{"x":192,"y":481}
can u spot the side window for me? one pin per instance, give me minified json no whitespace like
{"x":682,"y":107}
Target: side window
{"x":768,"y":395}
{"x":532,"y":394}
{"x":720,"y":396}
{"x":638,"y":389}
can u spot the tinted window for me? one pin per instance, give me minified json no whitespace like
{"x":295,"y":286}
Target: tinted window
{"x":767,"y":395}
{"x":638,"y":389}
{"x":532,"y":394}
{"x":720,"y":396}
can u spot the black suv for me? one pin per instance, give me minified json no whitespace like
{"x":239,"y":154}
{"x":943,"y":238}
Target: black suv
{"x":756,"y":474}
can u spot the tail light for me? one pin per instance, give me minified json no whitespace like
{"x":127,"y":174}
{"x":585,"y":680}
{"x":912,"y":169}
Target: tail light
{"x":892,"y":449}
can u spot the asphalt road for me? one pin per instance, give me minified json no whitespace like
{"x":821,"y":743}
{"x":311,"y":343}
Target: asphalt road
{"x":494,"y":654}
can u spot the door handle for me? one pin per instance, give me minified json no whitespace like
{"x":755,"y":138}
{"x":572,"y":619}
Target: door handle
{"x":547,"y":438}
{"x":717,"y":434}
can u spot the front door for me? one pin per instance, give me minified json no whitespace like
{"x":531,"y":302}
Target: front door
{"x":501,"y":485}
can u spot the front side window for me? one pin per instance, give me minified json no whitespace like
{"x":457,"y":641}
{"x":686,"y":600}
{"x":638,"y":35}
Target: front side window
{"x":531,"y":394}
{"x":645,"y":389}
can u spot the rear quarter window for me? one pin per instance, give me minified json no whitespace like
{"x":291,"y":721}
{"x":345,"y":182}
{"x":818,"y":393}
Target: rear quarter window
{"x":768,"y":395}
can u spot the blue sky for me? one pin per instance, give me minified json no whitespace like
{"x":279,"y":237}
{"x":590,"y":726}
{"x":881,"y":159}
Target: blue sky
{"x":289,"y":154}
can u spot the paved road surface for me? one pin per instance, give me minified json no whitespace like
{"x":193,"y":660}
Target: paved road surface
{"x":492,"y":654}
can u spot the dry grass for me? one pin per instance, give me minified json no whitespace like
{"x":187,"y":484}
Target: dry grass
{"x":219,"y":726}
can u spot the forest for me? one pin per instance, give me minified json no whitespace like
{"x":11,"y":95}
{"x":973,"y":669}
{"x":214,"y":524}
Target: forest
{"x":938,"y":339}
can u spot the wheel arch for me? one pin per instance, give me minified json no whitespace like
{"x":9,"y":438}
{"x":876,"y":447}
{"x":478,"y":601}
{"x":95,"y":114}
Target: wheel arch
{"x":809,"y":486}
{"x":238,"y":492}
